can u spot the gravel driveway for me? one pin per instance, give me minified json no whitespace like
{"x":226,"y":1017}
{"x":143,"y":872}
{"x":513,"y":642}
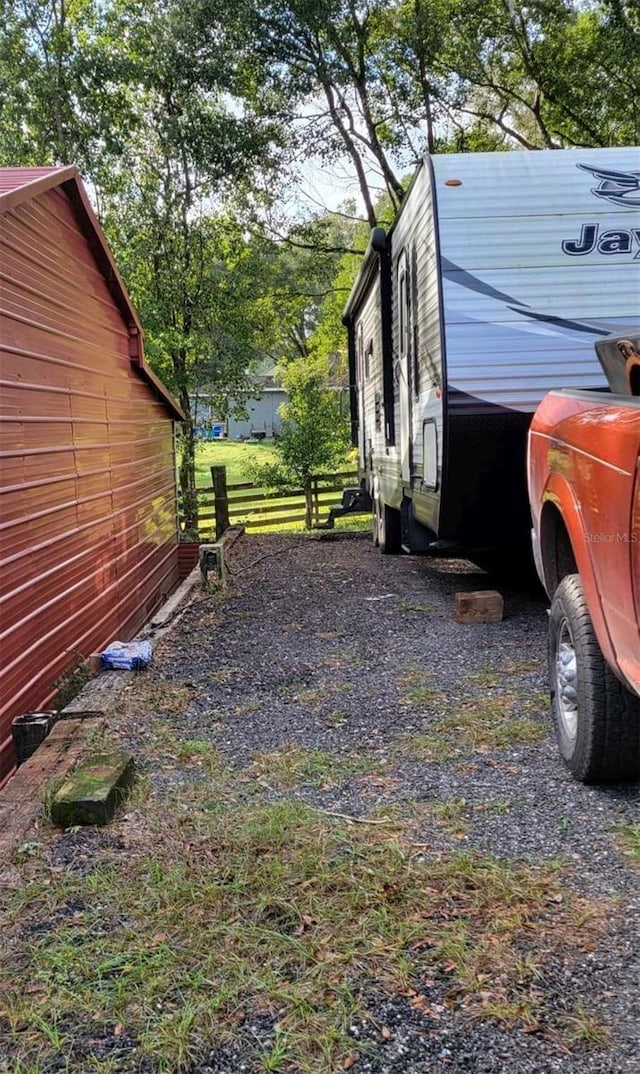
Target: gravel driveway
{"x":330,"y":675}
{"x":326,"y":645}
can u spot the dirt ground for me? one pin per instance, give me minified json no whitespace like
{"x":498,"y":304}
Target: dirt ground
{"x":352,"y":846}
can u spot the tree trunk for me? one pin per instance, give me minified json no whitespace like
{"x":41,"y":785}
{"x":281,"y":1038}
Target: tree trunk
{"x":187,"y":479}
{"x":308,"y":503}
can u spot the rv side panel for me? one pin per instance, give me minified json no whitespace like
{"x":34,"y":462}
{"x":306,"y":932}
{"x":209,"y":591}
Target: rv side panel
{"x":417,"y":341}
{"x":540,"y":258}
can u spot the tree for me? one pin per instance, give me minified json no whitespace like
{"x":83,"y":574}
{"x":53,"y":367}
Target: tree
{"x":377,"y":82}
{"x":313,"y":436}
{"x":121,"y":89}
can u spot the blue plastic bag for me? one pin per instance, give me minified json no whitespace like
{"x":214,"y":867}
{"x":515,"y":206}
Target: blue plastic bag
{"x":126,"y":655}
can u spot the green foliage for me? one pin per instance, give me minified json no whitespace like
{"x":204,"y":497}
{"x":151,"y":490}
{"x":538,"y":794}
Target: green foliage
{"x":191,"y":119}
{"x":314,"y":435}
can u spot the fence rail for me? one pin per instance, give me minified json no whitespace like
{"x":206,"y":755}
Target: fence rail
{"x":253,"y":506}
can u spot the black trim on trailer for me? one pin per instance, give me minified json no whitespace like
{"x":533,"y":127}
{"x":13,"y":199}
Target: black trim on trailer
{"x":367,"y":273}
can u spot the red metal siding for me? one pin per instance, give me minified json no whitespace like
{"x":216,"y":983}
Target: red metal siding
{"x":87,"y":491}
{"x":15,"y":178}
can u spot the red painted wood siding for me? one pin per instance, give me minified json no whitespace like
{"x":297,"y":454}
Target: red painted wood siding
{"x":87,"y":471}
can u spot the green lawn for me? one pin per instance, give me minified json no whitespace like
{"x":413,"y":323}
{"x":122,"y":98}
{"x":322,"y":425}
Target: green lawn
{"x":237,"y":457}
{"x":234,"y":455}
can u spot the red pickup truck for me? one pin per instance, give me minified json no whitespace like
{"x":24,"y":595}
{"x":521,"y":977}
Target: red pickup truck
{"x":584,"y":489}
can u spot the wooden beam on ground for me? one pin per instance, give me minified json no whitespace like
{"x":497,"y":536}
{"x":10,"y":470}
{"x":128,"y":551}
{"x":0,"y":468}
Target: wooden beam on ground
{"x":484,"y":606}
{"x":21,"y":801}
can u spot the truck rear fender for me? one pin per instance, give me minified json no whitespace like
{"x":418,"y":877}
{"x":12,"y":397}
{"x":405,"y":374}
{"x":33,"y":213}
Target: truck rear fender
{"x":564,"y":550}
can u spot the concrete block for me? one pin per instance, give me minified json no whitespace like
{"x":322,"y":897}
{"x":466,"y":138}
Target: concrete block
{"x":484,"y":606}
{"x":94,"y":790}
{"x":212,"y":561}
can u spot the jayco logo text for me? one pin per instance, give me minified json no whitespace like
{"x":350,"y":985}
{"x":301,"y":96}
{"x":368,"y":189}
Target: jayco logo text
{"x":621,"y":241}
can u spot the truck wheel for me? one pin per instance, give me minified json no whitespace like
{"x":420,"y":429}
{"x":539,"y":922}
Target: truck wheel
{"x":597,"y":719}
{"x":389,"y":529}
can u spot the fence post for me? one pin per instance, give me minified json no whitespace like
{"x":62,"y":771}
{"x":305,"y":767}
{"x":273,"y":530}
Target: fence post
{"x":220,"y":499}
{"x":316,"y":501}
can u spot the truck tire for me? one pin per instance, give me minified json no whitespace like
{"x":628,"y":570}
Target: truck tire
{"x":597,"y":720}
{"x":388,"y":528}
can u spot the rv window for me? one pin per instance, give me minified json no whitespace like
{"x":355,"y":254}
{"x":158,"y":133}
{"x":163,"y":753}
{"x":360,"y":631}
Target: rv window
{"x":367,"y":359}
{"x":430,"y":453}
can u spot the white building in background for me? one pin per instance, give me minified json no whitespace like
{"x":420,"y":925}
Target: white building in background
{"x":262,"y":418}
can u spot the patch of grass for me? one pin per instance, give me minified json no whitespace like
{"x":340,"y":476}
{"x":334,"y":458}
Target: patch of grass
{"x":521,"y":667}
{"x":580,"y":1027}
{"x":485,"y":724}
{"x":418,"y":689}
{"x":317,"y":695}
{"x":414,"y":675}
{"x":246,"y":708}
{"x":409,"y":607}
{"x":237,"y":457}
{"x":224,"y":674}
{"x":423,"y":696}
{"x":536,"y":702}
{"x":494,"y":722}
{"x":493,"y":807}
{"x":197,"y":749}
{"x":491,"y":677}
{"x":226,"y":909}
{"x":426,"y":746}
{"x":336,"y":719}
{"x":629,"y":837}
{"x":483,"y":678}
{"x":339,"y":660}
{"x":452,"y":815}
{"x":293,"y":766}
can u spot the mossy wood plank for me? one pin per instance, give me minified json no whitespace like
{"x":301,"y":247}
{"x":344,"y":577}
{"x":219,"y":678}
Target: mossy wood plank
{"x":21,"y":799}
{"x":94,"y":790}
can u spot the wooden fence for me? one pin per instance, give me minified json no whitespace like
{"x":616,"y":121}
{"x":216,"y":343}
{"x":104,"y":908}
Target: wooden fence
{"x":221,"y":505}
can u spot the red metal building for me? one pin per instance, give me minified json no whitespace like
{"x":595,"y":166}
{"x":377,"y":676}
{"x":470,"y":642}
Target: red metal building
{"x":88,"y":528}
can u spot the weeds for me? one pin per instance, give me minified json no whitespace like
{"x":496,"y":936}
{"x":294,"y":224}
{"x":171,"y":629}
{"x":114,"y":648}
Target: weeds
{"x":629,"y":837}
{"x":71,"y":682}
{"x":486,"y":724}
{"x":583,"y":1028}
{"x":146,"y":699}
{"x":293,"y":766}
{"x":270,"y":906}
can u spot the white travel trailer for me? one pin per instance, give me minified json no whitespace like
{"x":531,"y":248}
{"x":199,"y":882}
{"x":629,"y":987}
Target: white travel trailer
{"x":499,"y":274}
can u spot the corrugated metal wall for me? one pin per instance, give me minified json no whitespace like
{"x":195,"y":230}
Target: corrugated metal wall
{"x":88,"y":501}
